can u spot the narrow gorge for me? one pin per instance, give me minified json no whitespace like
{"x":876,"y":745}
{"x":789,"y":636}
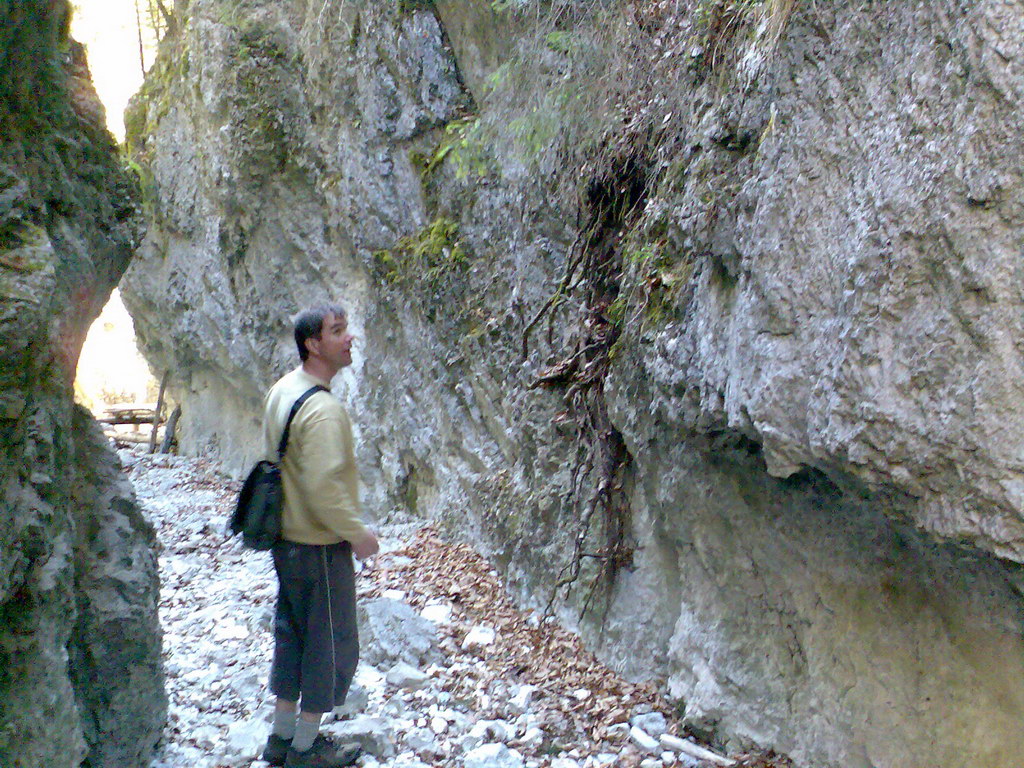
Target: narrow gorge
{"x":701,"y":319}
{"x":80,"y":670}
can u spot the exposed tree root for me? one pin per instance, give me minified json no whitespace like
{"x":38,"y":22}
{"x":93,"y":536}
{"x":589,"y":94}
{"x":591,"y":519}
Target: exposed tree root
{"x":594,"y":269}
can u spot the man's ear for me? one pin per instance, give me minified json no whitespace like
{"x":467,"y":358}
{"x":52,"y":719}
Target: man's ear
{"x":312,"y":345}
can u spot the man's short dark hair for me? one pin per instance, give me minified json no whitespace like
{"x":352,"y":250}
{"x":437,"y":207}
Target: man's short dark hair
{"x":309,"y":324}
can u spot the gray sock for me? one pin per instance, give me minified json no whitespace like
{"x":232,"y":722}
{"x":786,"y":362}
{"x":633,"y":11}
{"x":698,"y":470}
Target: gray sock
{"x":284,"y":724}
{"x":305,"y":733}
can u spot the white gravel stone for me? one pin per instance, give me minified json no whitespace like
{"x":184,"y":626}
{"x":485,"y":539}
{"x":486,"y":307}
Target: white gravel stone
{"x":438,"y":613}
{"x":245,"y":739}
{"x":373,"y":734}
{"x":479,"y":637}
{"x":492,"y":756}
{"x":403,"y":675}
{"x":643,"y":741}
{"x":420,"y":740}
{"x":652,"y":723}
{"x":487,"y":731}
{"x":520,"y":701}
{"x":357,"y":700}
{"x":618,"y":729}
{"x":407,"y":761}
{"x":533,"y":737}
{"x":391,"y":631}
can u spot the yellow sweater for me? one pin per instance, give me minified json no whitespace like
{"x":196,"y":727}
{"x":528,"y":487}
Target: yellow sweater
{"x":321,"y":486}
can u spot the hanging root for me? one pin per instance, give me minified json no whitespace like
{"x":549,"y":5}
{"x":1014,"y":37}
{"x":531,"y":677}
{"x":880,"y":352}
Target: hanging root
{"x":594,"y":268}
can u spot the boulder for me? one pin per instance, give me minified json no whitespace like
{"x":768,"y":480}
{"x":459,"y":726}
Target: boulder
{"x":391,"y":631}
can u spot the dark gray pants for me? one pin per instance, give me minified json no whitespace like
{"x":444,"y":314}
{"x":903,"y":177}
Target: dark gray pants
{"x":316,"y":645}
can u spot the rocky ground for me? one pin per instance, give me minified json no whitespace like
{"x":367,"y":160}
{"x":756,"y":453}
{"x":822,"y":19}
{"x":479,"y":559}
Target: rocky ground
{"x":451,"y":673}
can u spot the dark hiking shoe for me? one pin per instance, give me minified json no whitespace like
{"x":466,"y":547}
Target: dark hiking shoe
{"x":276,"y":749}
{"x":323,"y":754}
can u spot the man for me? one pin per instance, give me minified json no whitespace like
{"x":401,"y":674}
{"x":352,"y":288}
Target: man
{"x":316,"y":645}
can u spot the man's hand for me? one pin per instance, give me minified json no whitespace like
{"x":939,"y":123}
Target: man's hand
{"x":366,"y":546}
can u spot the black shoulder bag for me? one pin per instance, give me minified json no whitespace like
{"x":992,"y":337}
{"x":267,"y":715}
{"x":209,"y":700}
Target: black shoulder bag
{"x":257,"y":513}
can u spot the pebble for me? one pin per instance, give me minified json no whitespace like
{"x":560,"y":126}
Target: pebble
{"x":421,"y":740}
{"x":405,"y":676}
{"x":643,"y":741}
{"x":617,"y":729}
{"x":356,"y":701}
{"x":373,"y":734}
{"x":479,"y":637}
{"x":533,"y":737}
{"x":652,"y":723}
{"x":493,"y":756}
{"x":520,"y":702}
{"x":438,"y":613}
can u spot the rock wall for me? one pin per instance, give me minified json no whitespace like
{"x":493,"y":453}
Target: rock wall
{"x":80,"y":670}
{"x":710,"y":306}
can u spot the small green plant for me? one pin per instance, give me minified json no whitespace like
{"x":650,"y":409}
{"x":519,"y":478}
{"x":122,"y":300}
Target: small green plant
{"x":385,"y":265}
{"x":499,"y":77}
{"x":534,"y":132}
{"x":559,"y":41}
{"x":724,"y":19}
{"x":616,"y":311}
{"x":147,"y":184}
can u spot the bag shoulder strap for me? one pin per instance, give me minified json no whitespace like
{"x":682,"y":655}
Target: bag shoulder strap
{"x":291,"y":415}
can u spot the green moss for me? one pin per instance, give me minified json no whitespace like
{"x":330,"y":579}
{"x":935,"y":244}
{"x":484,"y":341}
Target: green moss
{"x":24,"y":251}
{"x":135,"y":121}
{"x":427,"y":257}
{"x":356,"y":34}
{"x":463,"y":142}
{"x":152,"y":103}
{"x":498,"y":77}
{"x":410,"y":6}
{"x":260,"y":60}
{"x":231,"y":14}
{"x":21,"y":237}
{"x":436,"y":245}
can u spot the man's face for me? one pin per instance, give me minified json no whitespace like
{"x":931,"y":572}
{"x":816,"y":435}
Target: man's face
{"x":335,"y":342}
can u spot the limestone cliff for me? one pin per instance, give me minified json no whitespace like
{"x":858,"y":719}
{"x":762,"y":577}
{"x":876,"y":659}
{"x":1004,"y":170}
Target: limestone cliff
{"x":80,"y":671}
{"x":700,"y":315}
